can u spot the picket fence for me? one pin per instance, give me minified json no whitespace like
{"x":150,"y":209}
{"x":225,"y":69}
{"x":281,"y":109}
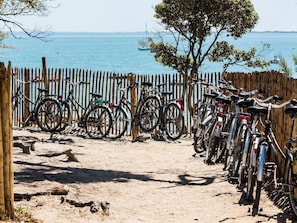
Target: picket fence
{"x":272,"y":83}
{"x":104,"y":83}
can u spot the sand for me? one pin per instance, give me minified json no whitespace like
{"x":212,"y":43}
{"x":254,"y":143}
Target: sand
{"x":151,"y":181}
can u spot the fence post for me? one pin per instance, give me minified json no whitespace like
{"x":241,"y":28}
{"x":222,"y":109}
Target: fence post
{"x":6,"y":156}
{"x":44,"y":74}
{"x":133,"y":91}
{"x":27,"y":94}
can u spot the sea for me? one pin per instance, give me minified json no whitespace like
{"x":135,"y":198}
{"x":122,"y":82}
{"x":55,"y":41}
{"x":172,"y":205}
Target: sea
{"x":118,"y":52}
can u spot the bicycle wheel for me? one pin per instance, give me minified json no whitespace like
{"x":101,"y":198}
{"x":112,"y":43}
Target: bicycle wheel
{"x":251,"y":181}
{"x":149,"y":113}
{"x":66,"y":116}
{"x":260,"y":177}
{"x":243,"y":170}
{"x":174,"y":121}
{"x":221,"y":150}
{"x":119,"y":123}
{"x":292,"y":189}
{"x":252,"y":169}
{"x":48,"y":115}
{"x":98,"y":122}
{"x":201,"y":139}
{"x":237,"y":152}
{"x":198,"y":138}
{"x":212,"y":145}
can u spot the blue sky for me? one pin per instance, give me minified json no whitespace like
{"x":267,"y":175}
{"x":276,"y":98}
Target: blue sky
{"x":133,"y":15}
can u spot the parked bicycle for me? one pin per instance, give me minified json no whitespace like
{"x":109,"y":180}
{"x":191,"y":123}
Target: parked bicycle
{"x":45,"y":110}
{"x":267,"y":156}
{"x":95,"y":118}
{"x":166,"y":114}
{"x":122,"y":115}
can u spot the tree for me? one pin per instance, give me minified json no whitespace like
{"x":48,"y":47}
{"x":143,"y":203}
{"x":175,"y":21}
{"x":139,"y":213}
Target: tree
{"x":198,"y":28}
{"x":11,"y":9}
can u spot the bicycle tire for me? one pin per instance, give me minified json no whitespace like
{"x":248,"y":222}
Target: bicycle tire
{"x":292,"y":190}
{"x":213,"y":143}
{"x":198,"y":145}
{"x":66,"y":116}
{"x":197,"y":128}
{"x":243,"y":171}
{"x":255,"y":208}
{"x":237,"y":152}
{"x":149,"y":113}
{"x":250,"y":186}
{"x":98,"y":122}
{"x":119,"y":123}
{"x":260,"y":176}
{"x":221,"y":150}
{"x":207,"y":130}
{"x":174,"y":121}
{"x":48,"y":115}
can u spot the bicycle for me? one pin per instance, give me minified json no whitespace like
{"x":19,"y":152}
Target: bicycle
{"x":122,"y":113}
{"x":205,"y":110}
{"x":262,"y":167}
{"x":45,"y":110}
{"x":246,"y":139}
{"x":95,"y":118}
{"x":163,"y":114}
{"x":236,"y":140}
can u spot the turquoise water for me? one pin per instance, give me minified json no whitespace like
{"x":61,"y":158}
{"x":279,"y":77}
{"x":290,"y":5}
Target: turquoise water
{"x":117,"y":52}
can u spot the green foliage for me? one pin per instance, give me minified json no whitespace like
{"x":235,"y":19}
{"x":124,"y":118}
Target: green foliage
{"x":229,"y":55}
{"x":285,"y":68}
{"x":197,"y":26}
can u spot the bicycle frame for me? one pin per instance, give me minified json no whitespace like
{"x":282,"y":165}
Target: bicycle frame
{"x":28,"y":103}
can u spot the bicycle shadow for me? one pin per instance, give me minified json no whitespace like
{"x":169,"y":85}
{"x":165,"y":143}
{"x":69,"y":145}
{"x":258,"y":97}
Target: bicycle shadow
{"x":41,"y":172}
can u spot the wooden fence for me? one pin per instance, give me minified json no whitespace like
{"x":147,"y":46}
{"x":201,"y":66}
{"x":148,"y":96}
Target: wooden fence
{"x":273,"y":83}
{"x":102,"y":83}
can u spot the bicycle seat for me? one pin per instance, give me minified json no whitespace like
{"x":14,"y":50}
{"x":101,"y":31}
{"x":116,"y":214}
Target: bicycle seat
{"x":243,"y":103}
{"x":165,"y":93}
{"x":42,"y":90}
{"x":232,"y":89}
{"x":148,"y":84}
{"x":210,"y":95}
{"x":234,"y":98}
{"x":223,"y":100}
{"x":291,"y":110}
{"x":95,"y":95}
{"x":257,"y":110}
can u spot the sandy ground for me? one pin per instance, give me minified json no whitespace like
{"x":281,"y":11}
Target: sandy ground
{"x":151,"y":181}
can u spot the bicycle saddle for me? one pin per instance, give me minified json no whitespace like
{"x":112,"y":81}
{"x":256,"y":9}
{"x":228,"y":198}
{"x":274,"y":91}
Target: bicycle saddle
{"x":95,"y":95}
{"x":223,"y":100}
{"x":42,"y":90}
{"x":257,"y":110}
{"x":243,"y":103}
{"x":291,"y":109}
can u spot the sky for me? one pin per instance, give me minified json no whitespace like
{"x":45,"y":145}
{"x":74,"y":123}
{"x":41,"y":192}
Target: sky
{"x":136,"y":15}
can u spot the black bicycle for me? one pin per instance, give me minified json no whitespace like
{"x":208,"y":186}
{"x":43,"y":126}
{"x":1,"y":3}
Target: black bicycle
{"x":95,"y":118}
{"x":163,"y":114}
{"x":269,"y":162}
{"x":122,"y":114}
{"x":46,"y":111}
